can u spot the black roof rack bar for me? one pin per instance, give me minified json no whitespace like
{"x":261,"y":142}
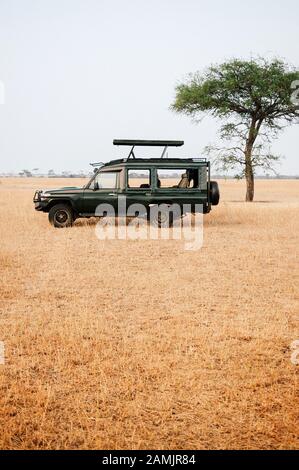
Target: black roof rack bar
{"x":132,"y":154}
{"x":149,"y":143}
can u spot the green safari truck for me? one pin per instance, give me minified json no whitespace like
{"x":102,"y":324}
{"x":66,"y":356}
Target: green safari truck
{"x":136,"y":185}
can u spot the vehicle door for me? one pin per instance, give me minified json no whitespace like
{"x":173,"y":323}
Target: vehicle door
{"x":176,"y":185}
{"x":138,"y":187}
{"x":104,"y":188}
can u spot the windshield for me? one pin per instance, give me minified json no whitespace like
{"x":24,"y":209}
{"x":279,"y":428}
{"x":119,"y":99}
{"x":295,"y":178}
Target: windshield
{"x":105,"y":180}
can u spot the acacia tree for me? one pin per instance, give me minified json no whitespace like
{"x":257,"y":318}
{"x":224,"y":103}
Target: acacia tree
{"x":254,"y":98}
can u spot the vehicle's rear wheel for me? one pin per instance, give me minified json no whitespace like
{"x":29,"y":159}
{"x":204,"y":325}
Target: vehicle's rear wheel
{"x":61,"y":216}
{"x":214,"y":193}
{"x":160,"y":217}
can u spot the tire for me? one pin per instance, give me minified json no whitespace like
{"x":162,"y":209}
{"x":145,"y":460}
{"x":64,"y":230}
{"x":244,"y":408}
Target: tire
{"x":214,"y":193}
{"x":61,"y":216}
{"x":160,"y":218}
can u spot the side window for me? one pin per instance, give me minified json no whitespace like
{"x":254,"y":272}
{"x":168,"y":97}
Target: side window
{"x":138,"y":179}
{"x":177,"y":178}
{"x":106,"y":180}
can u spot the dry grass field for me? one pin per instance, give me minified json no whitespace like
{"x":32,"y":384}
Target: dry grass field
{"x":140,"y":344}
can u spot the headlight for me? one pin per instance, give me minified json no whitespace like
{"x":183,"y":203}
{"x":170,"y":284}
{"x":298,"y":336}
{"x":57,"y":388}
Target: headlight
{"x":40,"y":196}
{"x":36,"y":196}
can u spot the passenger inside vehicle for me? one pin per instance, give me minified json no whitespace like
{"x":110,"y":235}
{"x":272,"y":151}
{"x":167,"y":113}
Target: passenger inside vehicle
{"x":185,"y":182}
{"x":177,"y":178}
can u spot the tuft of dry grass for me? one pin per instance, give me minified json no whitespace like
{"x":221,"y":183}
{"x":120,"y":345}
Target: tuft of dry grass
{"x":139,"y":344}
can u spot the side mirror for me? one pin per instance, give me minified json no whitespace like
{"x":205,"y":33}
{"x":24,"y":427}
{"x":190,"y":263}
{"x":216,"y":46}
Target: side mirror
{"x":96,"y":186}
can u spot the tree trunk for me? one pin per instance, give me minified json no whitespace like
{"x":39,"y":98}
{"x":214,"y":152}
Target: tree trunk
{"x":249,"y":181}
{"x":248,"y":162}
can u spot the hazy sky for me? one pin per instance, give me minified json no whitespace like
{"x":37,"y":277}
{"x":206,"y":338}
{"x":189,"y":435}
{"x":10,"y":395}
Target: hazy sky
{"x":79,"y":73}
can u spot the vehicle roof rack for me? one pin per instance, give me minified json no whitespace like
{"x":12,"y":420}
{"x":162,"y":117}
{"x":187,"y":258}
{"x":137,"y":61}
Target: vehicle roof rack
{"x":97,"y":164}
{"x":148,"y":143}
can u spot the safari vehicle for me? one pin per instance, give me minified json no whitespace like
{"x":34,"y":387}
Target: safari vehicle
{"x":151,"y":182}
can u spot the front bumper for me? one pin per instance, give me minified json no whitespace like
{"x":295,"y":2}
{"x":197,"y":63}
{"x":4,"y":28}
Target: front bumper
{"x":39,"y":206}
{"x":39,"y":203}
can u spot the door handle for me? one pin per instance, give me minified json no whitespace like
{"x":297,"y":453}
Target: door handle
{"x":112,"y":194}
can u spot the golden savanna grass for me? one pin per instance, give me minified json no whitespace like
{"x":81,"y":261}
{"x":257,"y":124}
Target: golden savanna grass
{"x":140,"y":344}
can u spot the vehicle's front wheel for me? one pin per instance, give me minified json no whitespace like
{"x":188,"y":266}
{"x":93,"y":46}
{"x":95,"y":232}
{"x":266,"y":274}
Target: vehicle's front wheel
{"x":61,"y":216}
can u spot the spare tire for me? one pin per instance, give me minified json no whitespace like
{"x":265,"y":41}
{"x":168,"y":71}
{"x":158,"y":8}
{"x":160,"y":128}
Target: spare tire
{"x":214,"y":193}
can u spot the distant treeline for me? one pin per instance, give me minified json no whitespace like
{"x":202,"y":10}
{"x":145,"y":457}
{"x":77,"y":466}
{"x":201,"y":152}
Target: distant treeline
{"x":259,"y":177}
{"x":82,"y":174}
{"x":49,"y":174}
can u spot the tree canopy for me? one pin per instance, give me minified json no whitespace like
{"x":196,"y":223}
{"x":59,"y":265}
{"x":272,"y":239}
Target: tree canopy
{"x":255,"y":99}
